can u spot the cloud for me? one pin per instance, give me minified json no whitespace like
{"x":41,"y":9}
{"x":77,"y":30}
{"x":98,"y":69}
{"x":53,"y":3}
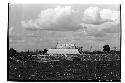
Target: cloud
{"x":10,"y":30}
{"x":109,"y":15}
{"x":98,"y":22}
{"x":93,"y":21}
{"x":111,"y":27}
{"x":91,"y":16}
{"x":30,"y":23}
{"x":59,"y":18}
{"x":96,"y":15}
{"x":93,"y":30}
{"x":102,"y":29}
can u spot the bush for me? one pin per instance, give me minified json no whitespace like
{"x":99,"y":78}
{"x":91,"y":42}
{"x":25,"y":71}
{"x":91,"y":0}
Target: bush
{"x":106,"y":48}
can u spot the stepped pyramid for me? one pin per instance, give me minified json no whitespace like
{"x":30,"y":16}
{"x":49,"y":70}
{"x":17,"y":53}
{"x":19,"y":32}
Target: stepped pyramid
{"x":64,"y":48}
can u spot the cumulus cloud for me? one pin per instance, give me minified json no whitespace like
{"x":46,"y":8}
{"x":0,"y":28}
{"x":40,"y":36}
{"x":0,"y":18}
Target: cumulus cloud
{"x":59,"y":18}
{"x":99,"y":22}
{"x":91,"y":16}
{"x":109,"y":15}
{"x":92,"y":21}
{"x":96,"y":16}
{"x":102,"y":29}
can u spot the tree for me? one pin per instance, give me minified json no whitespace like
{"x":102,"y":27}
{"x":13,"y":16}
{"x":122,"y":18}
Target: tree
{"x":45,"y":51}
{"x":12,"y":52}
{"x":79,"y":49}
{"x":40,"y":52}
{"x":106,"y":48}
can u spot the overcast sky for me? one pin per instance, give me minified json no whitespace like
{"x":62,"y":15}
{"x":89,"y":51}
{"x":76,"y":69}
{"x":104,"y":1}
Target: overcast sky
{"x":41,"y":26}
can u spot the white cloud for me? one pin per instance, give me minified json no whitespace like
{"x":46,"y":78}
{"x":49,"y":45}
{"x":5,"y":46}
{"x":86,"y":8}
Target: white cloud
{"x":59,"y":18}
{"x":99,"y":22}
{"x":102,"y":29}
{"x":91,"y":15}
{"x":107,"y":14}
{"x":95,"y":15}
{"x":92,"y":21}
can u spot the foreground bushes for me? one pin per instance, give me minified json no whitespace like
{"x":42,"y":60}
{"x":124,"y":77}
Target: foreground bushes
{"x":65,"y":70}
{"x":85,"y":67}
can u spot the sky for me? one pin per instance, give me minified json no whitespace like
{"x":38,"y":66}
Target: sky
{"x":39,"y":26}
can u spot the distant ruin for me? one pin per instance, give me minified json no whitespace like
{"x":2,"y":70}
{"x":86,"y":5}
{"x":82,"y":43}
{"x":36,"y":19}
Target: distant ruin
{"x":64,"y":48}
{"x":67,"y":45}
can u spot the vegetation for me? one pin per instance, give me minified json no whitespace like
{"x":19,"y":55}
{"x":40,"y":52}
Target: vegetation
{"x":88,"y":66}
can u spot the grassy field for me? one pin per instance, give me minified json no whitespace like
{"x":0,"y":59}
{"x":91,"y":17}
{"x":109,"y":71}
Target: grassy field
{"x":92,"y":67}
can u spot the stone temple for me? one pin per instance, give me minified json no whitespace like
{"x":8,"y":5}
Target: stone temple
{"x":64,"y":48}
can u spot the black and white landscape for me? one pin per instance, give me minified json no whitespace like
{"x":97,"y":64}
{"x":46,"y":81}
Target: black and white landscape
{"x":64,"y":42}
